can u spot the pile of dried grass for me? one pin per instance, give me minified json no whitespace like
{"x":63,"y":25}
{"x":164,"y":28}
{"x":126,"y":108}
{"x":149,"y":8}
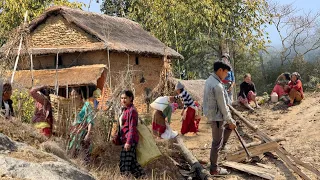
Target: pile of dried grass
{"x":21,"y":132}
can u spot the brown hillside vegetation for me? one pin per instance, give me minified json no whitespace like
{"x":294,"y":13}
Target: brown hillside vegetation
{"x":105,"y":155}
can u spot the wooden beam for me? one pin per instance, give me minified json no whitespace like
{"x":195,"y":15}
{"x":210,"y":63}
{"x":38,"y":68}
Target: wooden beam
{"x":258,"y":171}
{"x":279,"y":151}
{"x":298,"y":161}
{"x":254,"y":151}
{"x":202,"y":173}
{"x":282,"y":153}
{"x":256,"y":143}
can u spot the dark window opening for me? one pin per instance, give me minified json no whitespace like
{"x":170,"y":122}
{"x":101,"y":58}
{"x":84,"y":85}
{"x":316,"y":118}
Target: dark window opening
{"x":137,"y":60}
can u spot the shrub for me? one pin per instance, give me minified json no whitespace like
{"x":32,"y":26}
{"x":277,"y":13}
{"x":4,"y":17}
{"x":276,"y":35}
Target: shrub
{"x":23,"y":105}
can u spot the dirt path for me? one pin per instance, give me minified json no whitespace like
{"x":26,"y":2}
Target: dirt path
{"x":299,"y":125}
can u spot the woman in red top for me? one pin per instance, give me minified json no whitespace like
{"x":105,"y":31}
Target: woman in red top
{"x":129,"y":136}
{"x":295,"y":89}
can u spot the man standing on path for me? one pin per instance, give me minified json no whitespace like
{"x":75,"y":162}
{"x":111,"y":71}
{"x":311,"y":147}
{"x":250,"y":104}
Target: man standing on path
{"x":229,"y":81}
{"x":215,"y":108}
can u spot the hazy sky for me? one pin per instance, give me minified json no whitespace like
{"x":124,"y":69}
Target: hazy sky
{"x":304,"y":5}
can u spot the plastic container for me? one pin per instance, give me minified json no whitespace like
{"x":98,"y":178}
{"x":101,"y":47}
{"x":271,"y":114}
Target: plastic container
{"x":274,"y":97}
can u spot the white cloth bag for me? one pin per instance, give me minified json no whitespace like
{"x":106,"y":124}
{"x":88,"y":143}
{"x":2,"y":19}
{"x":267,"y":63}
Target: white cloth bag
{"x":169,"y":133}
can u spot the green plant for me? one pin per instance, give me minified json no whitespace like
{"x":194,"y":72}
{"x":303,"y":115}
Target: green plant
{"x":23,"y":105}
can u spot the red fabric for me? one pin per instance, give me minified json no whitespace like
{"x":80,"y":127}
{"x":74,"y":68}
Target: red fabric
{"x":188,"y":124}
{"x":279,"y":90}
{"x":158,"y":129}
{"x":225,"y":81}
{"x":297,"y":86}
{"x":129,"y":132}
{"x":46,"y":131}
{"x":248,"y":99}
{"x":196,"y":124}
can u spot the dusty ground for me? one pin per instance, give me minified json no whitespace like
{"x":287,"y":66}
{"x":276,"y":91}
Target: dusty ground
{"x":299,"y":125}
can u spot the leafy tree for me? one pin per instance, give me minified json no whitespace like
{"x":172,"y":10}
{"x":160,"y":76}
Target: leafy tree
{"x":200,"y":30}
{"x":118,"y":8}
{"x":12,"y":12}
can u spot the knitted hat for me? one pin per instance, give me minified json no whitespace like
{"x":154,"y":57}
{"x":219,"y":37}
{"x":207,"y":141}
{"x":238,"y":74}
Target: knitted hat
{"x":179,"y":86}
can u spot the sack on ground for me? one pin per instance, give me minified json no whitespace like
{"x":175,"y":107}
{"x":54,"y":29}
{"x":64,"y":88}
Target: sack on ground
{"x":160,"y":103}
{"x":147,"y":150}
{"x":169,"y":133}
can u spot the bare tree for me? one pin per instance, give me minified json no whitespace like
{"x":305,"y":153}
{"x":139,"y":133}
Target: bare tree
{"x":298,"y":31}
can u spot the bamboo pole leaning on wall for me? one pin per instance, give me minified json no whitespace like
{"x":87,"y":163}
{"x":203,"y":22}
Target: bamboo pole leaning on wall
{"x":19,"y":49}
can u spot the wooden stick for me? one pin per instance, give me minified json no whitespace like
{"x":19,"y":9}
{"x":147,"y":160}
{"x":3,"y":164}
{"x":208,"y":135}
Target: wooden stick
{"x":56,"y":83}
{"x":31,"y":68}
{"x":67,"y":91}
{"x":19,"y":49}
{"x":109,"y":70}
{"x":1,"y":90}
{"x":249,"y":124}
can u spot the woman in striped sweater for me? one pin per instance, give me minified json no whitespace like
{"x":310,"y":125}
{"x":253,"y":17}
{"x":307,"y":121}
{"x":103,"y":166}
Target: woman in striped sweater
{"x":189,"y":109}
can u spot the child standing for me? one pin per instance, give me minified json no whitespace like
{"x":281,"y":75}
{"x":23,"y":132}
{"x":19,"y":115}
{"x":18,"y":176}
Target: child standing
{"x":197,"y":116}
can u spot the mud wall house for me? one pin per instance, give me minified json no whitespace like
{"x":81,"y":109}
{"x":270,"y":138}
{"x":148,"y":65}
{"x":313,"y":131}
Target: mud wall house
{"x":83,"y":44}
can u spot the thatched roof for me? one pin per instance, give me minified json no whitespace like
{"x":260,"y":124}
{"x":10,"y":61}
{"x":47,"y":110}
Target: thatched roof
{"x":194,"y":87}
{"x":117,"y":34}
{"x":74,"y":76}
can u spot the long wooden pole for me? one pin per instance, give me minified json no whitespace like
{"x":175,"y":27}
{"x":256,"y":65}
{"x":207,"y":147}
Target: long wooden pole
{"x":109,"y":70}
{"x":202,"y":173}
{"x":1,"y":90}
{"x":31,"y":68}
{"x":56,"y":77}
{"x":19,"y":49}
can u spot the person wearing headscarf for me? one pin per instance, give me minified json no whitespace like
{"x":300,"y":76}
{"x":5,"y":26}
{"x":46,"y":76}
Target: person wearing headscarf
{"x":189,"y":109}
{"x":281,"y":86}
{"x":159,"y":119}
{"x":96,"y":95}
{"x":81,"y":130}
{"x":295,"y":89}
{"x":43,"y":118}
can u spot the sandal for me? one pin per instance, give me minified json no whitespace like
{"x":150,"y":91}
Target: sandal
{"x":220,"y":171}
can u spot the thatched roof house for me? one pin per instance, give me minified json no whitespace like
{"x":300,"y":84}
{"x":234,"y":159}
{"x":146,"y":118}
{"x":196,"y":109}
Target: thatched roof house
{"x":113,"y":33}
{"x":87,"y":49}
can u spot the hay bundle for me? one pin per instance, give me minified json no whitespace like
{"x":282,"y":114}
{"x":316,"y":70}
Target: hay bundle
{"x":65,"y":111}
